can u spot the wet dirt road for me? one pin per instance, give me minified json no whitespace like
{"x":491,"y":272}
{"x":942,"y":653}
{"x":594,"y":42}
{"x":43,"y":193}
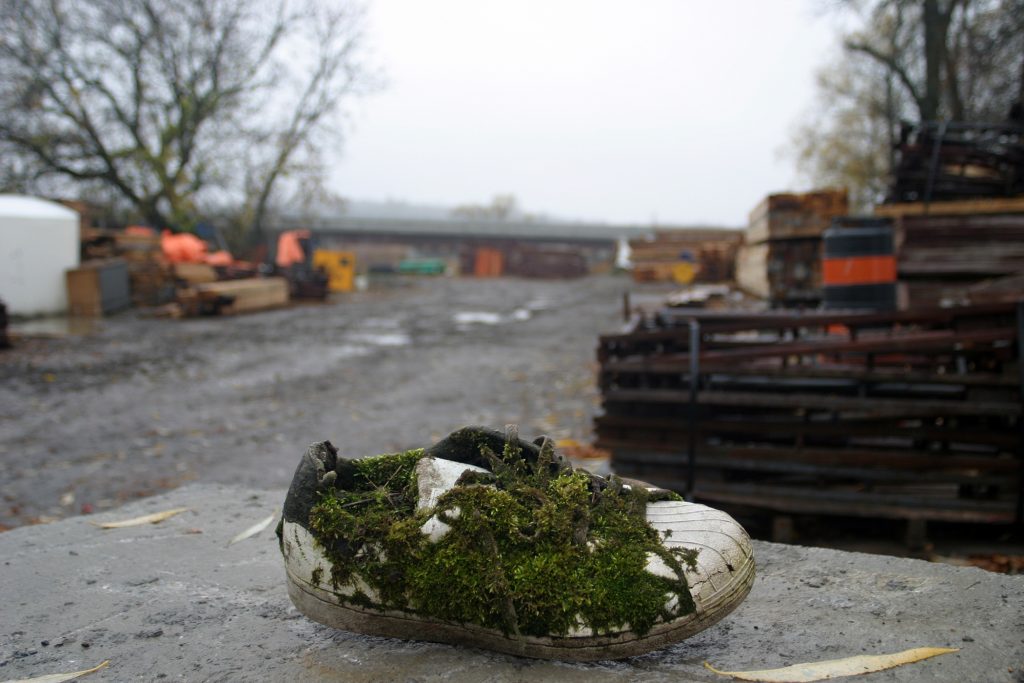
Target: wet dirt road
{"x":141,"y":406}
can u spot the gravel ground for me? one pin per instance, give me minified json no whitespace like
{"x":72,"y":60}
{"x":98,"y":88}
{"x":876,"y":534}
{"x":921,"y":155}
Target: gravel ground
{"x":139,"y":405}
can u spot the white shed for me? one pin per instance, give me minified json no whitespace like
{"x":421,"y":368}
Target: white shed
{"x":38,"y":242}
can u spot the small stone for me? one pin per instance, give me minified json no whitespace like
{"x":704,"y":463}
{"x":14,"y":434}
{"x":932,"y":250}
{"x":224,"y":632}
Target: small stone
{"x":968,"y":639}
{"x":45,"y":643}
{"x":86,"y":645}
{"x":154,"y":633}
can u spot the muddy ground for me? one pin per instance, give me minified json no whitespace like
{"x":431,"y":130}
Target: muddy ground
{"x":142,"y":405}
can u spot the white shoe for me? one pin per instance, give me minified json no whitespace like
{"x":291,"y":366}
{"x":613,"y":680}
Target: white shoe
{"x":454,"y":544}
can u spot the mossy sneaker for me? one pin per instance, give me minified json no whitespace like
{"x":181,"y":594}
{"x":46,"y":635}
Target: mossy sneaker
{"x":490,"y":541}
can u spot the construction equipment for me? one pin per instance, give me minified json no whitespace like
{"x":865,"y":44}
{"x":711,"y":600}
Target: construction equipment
{"x":294,"y":261}
{"x":340,"y":267}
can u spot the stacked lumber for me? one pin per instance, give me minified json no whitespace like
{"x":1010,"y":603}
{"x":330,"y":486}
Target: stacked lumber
{"x":230,"y":297}
{"x":780,"y":259}
{"x":151,"y":277}
{"x":711,"y":251}
{"x":554,"y":261}
{"x":906,"y":415}
{"x":946,"y":249}
{"x":195,"y":273}
{"x":939,"y":160}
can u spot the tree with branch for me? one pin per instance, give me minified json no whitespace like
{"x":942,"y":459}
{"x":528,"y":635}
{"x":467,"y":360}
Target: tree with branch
{"x":175,"y":107}
{"x":919,"y":60}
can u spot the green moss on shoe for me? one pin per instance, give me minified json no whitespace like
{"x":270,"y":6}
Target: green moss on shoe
{"x":536,"y":550}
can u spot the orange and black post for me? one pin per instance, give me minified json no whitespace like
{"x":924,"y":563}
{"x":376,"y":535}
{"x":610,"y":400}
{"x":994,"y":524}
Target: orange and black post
{"x":859,"y":264}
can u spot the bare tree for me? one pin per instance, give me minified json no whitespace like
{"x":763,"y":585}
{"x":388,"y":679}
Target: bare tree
{"x":503,"y":207}
{"x":949,"y":56}
{"x":173,"y":104}
{"x":911,"y":60}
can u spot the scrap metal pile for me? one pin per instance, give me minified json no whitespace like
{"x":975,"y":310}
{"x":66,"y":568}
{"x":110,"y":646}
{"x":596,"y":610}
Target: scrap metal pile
{"x":940,"y":160}
{"x":904,"y":415}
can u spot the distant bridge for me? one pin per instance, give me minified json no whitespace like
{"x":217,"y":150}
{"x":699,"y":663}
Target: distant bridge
{"x":467,"y":229}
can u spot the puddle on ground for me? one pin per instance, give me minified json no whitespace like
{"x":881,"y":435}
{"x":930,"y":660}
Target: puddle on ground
{"x":381,"y":338}
{"x":477,"y":318}
{"x":62,"y":326}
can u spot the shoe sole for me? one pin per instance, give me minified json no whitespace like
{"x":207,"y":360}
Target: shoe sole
{"x":722,"y":579}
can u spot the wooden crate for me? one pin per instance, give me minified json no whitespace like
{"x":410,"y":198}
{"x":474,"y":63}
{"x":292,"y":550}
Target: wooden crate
{"x":97,"y":288}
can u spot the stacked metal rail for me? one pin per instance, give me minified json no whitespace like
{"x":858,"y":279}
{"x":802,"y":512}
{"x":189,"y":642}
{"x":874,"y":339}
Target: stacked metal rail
{"x":905,"y":415}
{"x":940,"y":160}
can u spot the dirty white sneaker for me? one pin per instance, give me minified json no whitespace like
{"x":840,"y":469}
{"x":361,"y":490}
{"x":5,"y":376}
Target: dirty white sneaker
{"x":490,"y":541}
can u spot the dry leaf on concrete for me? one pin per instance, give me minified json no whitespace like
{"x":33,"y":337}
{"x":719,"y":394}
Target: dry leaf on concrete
{"x":58,"y":678}
{"x":152,"y":518}
{"x":836,"y":668}
{"x":253,"y":530}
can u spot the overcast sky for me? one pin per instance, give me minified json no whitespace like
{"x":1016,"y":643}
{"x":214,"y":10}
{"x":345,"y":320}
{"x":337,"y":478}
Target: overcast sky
{"x":672,"y":111}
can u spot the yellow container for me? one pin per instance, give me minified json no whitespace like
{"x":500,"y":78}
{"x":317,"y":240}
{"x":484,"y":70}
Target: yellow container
{"x":683,"y":272}
{"x":340,"y":267}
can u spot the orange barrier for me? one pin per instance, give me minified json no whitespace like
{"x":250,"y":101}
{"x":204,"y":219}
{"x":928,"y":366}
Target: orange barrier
{"x":183,"y":247}
{"x":859,"y":270}
{"x":488,"y":263}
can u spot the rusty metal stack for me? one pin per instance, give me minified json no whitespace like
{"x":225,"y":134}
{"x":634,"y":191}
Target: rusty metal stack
{"x":780,"y":259}
{"x":951,"y":160}
{"x":905,"y":415}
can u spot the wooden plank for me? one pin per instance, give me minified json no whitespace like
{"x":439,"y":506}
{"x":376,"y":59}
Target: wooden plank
{"x":835,"y":502}
{"x":251,"y":294}
{"x":860,"y":373}
{"x":752,"y":270}
{"x":673,"y":430}
{"x":195,"y":273}
{"x":865,"y":406}
{"x":736,"y":321}
{"x":824,"y":462}
{"x":914,"y":342}
{"x":952,"y":208}
{"x":904,"y":343}
{"x":814,"y":475}
{"x":810,"y":501}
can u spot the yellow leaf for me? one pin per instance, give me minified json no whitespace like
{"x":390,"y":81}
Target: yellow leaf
{"x":144,"y":519}
{"x":58,"y":678}
{"x":836,"y":668}
{"x":253,"y":530}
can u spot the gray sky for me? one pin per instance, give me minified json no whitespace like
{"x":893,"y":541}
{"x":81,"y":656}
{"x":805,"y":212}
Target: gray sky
{"x":667,"y":110}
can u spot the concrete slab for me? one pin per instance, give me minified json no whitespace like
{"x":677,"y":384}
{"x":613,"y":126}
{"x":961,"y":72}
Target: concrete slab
{"x":173,"y":602}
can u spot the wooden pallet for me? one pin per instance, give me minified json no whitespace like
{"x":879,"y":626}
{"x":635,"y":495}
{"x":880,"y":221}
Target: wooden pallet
{"x":912,"y":415}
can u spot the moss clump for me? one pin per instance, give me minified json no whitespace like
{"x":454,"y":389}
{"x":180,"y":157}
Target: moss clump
{"x":532,"y":549}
